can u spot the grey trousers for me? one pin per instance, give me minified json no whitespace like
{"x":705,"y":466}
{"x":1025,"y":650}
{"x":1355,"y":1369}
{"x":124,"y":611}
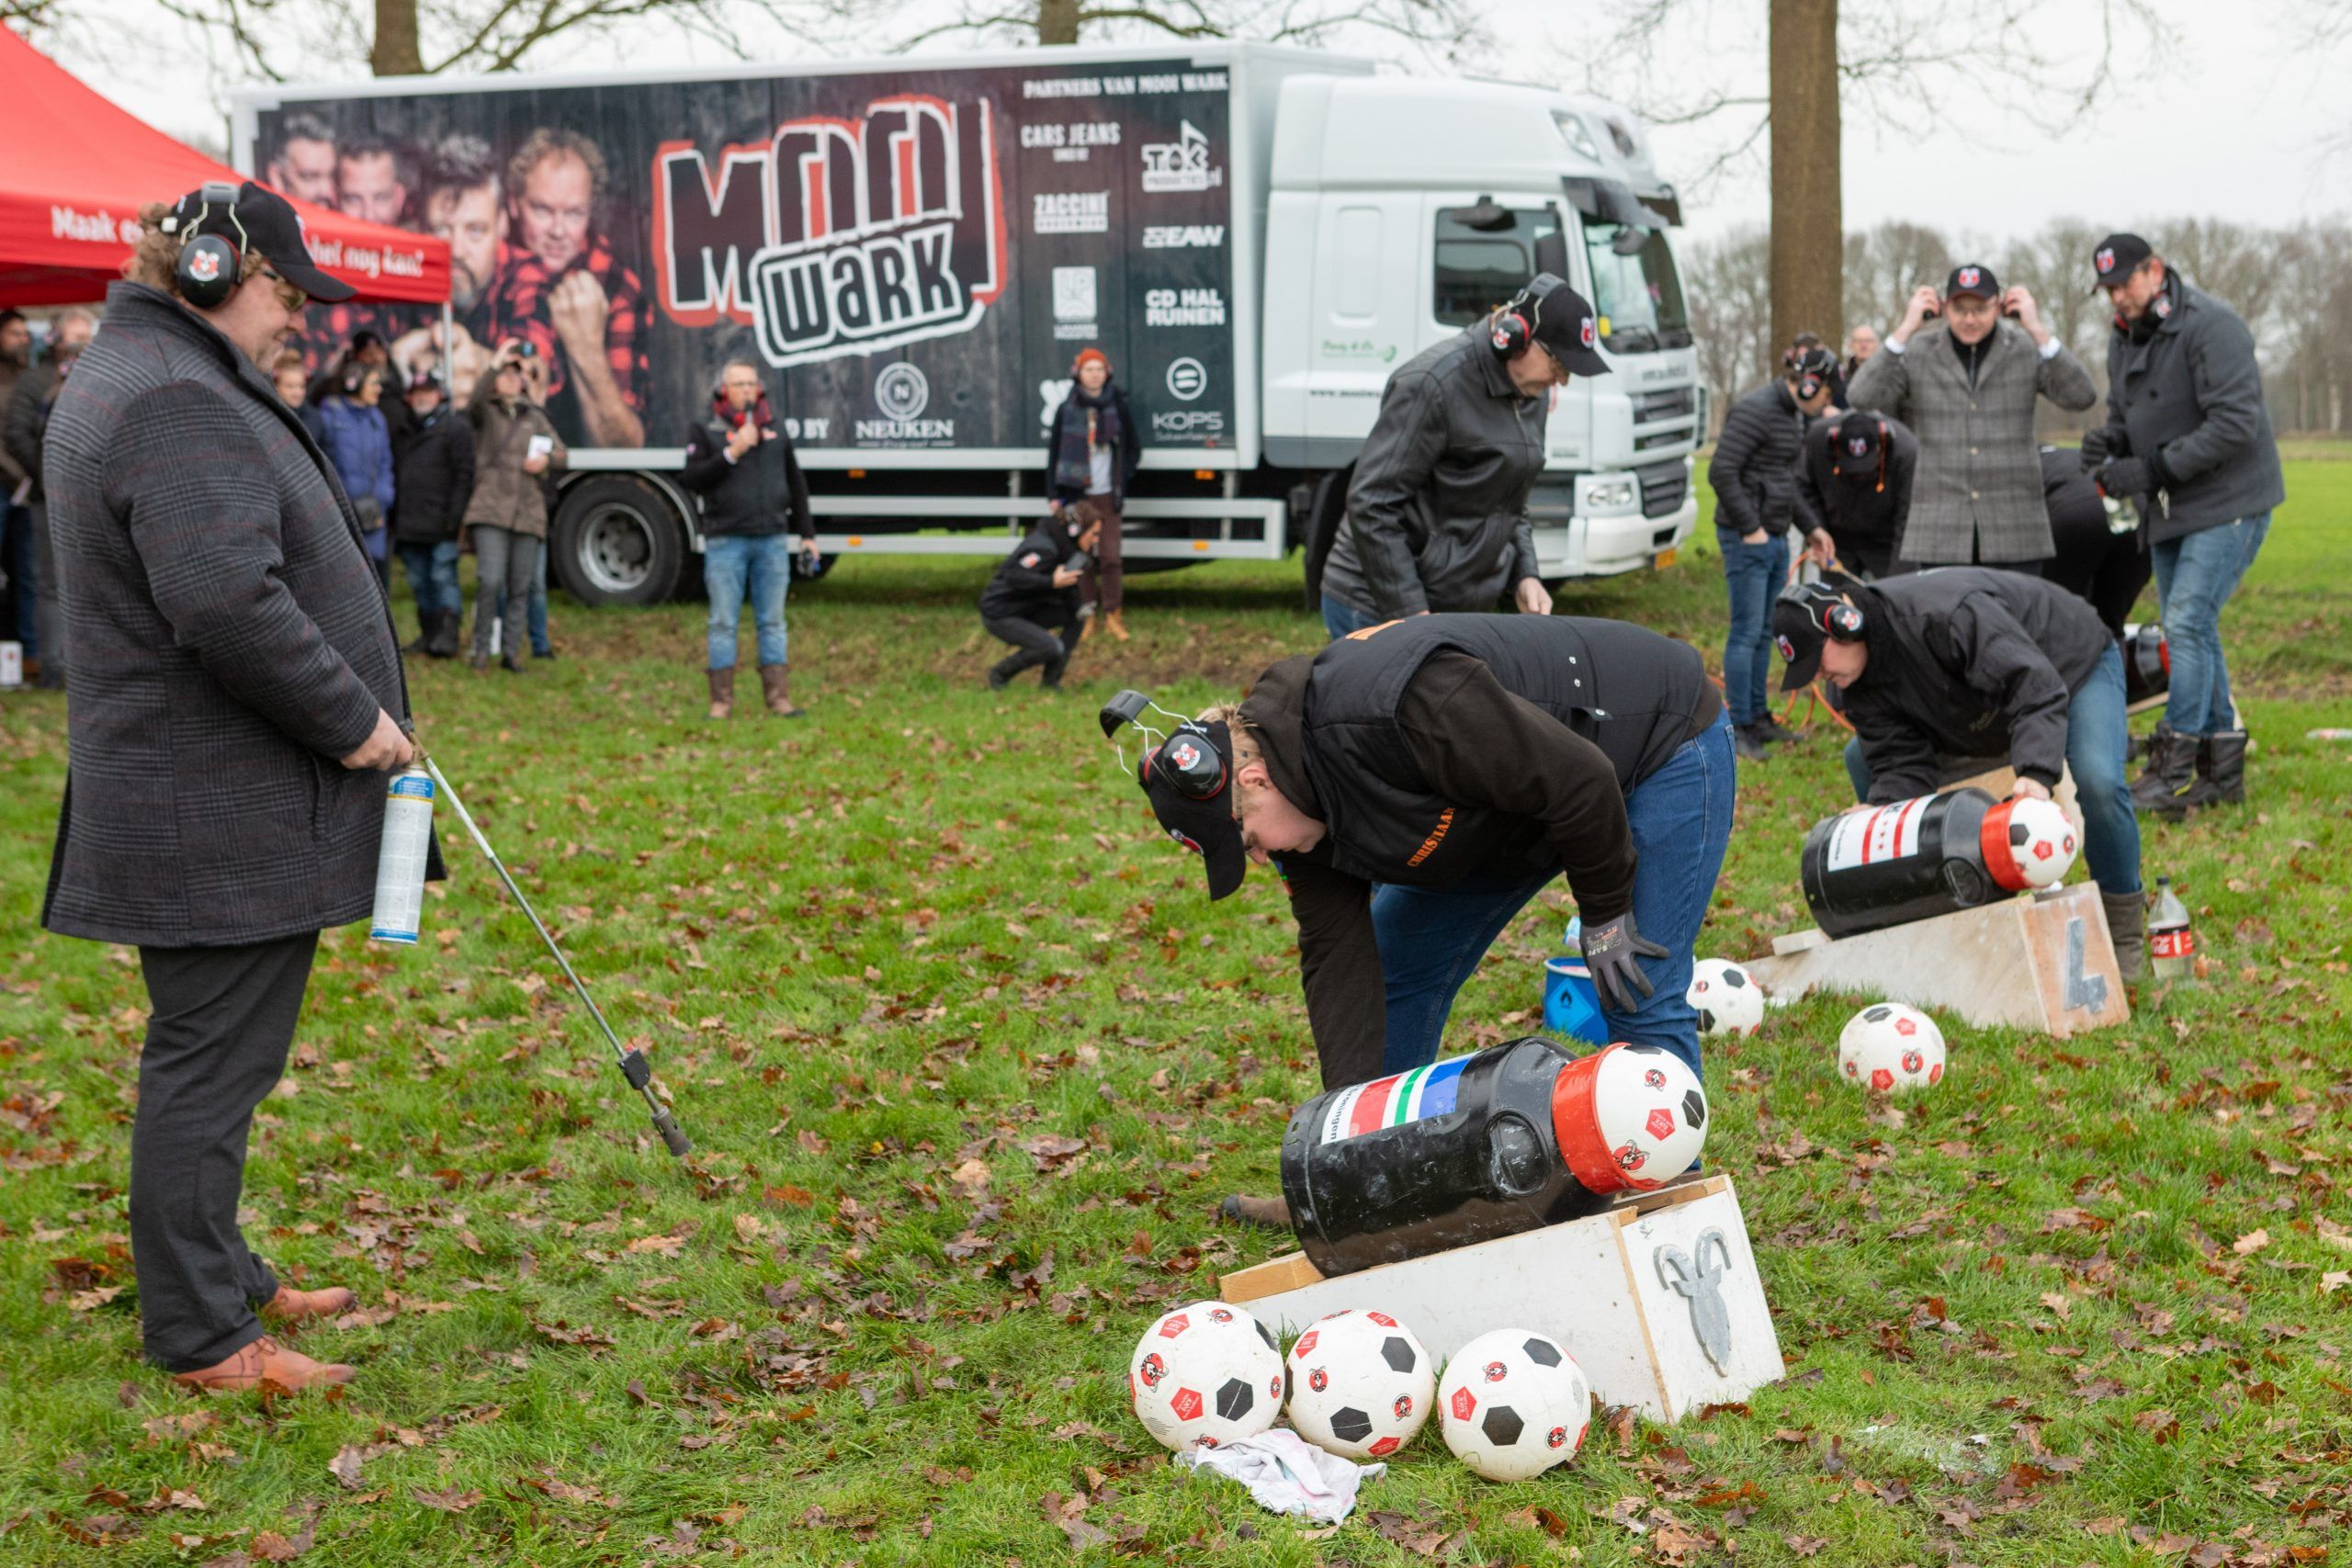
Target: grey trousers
{"x":509,"y":561}
{"x":216,"y":1039}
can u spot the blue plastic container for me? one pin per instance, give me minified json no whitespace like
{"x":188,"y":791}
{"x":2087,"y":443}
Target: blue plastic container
{"x":1571,"y":1006}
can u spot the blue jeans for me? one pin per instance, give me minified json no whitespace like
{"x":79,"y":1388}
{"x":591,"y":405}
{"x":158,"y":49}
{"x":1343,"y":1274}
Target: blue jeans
{"x":1340,"y":618}
{"x":537,"y":610}
{"x":2096,"y":738}
{"x":734,"y":565}
{"x":2194,"y":577}
{"x":1752,"y":577}
{"x":1432,"y":938}
{"x":432,"y":576}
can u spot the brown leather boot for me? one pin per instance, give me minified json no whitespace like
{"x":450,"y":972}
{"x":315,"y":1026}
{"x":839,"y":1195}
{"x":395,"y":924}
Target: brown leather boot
{"x":265,"y":1361}
{"x":775,"y":689}
{"x":1115,"y":623}
{"x":290,"y":1305}
{"x":722,"y":692}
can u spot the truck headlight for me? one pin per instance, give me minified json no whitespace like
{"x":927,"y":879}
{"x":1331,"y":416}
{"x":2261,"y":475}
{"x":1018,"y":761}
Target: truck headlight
{"x":1611,"y":495}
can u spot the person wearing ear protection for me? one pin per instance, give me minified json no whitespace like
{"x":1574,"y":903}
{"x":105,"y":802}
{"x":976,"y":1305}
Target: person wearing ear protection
{"x":1948,"y":673}
{"x":237,"y":697}
{"x":1437,"y":512}
{"x":1754,"y":474}
{"x":1854,"y":489}
{"x":1417,"y":783}
{"x":752,"y":489}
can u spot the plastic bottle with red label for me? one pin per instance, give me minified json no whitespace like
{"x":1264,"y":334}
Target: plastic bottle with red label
{"x":2172,"y":943}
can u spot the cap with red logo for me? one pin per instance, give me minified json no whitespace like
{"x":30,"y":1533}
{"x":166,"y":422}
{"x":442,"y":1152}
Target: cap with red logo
{"x":1854,"y":444}
{"x":1564,"y":322}
{"x":1189,"y":780}
{"x":2117,"y":257}
{"x":1973,"y":278}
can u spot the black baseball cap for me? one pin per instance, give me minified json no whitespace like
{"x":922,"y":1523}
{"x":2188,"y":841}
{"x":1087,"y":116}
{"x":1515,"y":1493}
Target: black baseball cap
{"x":1800,"y":627}
{"x":1854,"y":442}
{"x":1564,"y":322}
{"x":1973,"y":278}
{"x":1188,"y":779}
{"x":2117,"y":257}
{"x":265,"y":222}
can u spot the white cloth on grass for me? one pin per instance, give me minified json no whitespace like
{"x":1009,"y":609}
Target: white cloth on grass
{"x":1287,"y":1475}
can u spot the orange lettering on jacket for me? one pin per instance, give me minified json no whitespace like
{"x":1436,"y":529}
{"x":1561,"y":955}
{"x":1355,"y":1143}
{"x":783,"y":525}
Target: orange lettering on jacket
{"x":1437,"y":837}
{"x":1363,"y":632}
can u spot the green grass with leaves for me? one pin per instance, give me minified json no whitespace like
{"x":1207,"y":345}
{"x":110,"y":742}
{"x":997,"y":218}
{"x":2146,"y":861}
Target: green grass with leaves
{"x":969,"y":1060}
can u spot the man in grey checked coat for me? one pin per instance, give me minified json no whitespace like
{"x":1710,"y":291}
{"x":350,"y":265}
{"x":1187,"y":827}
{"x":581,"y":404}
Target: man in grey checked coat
{"x":237,"y":696}
{"x":1966,"y":383}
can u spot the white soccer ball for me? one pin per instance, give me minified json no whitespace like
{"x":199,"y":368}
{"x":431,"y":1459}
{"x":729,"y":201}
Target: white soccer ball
{"x":1727,"y":997}
{"x":1360,"y":1384}
{"x":1513,"y":1403}
{"x":2041,"y":842}
{"x":1891,"y":1048}
{"x":1651,"y":1111}
{"x":1205,"y":1374}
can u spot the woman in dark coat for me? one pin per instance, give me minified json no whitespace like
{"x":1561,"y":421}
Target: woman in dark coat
{"x":352,"y":428}
{"x":1091,"y":451}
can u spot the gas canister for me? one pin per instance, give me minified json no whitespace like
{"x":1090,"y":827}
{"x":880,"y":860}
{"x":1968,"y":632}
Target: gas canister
{"x":1885,"y":866}
{"x":1509,"y":1139}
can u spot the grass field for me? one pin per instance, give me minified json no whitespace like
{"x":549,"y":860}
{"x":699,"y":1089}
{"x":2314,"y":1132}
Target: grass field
{"x":969,"y":1060}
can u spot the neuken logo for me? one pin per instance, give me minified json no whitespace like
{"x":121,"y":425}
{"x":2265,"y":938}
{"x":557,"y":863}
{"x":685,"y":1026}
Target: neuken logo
{"x":836,"y":236}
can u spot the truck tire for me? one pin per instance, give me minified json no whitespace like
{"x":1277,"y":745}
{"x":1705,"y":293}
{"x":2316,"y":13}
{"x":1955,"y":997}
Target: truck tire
{"x":1321,"y":526}
{"x":618,"y":541}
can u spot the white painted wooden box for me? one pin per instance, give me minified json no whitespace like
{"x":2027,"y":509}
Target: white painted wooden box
{"x":1657,"y":1298}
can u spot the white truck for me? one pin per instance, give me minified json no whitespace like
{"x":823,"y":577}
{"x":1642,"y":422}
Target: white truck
{"x":913,"y":249}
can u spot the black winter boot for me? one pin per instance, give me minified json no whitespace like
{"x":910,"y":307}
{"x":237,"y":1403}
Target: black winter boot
{"x":2220,"y":773}
{"x":2172,"y":761}
{"x":448,"y":626}
{"x":1000,"y":674}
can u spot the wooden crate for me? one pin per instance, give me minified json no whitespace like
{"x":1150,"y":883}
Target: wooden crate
{"x":1657,"y":1298}
{"x":2044,"y":962}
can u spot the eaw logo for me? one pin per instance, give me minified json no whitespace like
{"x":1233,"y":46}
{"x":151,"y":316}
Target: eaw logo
{"x":836,"y":236}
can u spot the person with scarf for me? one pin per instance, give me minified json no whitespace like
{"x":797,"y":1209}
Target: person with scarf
{"x":752,"y":489}
{"x":1091,"y":448}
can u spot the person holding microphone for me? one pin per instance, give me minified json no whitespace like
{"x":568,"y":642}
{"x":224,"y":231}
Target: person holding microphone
{"x":742,"y":464}
{"x":214,"y":574}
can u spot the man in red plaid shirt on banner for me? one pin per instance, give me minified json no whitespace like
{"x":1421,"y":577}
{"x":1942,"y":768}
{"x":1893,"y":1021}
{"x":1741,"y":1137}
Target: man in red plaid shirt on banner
{"x":560,"y":289}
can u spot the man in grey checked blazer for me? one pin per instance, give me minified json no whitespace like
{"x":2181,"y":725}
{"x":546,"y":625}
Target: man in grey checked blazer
{"x":237,"y":694}
{"x":1965,"y":384}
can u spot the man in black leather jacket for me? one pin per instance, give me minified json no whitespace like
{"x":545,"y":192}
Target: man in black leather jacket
{"x":1436,"y":514}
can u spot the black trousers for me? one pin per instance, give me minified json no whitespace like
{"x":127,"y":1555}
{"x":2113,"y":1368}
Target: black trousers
{"x":216,"y":1039}
{"x":1048,"y":645}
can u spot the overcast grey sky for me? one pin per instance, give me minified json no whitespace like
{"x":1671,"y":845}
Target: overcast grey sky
{"x":2237,"y":126}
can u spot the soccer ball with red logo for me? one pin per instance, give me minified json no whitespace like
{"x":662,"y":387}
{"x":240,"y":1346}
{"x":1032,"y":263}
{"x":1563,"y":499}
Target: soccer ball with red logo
{"x":1628,"y":1117}
{"x":1727,"y":998}
{"x":1205,"y":1374}
{"x":1890,"y":1049}
{"x":1513,"y":1403}
{"x":1361,"y":1385}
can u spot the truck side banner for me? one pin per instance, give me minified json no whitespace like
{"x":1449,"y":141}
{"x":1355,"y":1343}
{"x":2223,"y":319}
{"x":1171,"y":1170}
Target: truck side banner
{"x":891,"y":248}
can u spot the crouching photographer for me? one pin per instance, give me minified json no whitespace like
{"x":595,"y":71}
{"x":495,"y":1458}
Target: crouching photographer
{"x":1033,"y":601}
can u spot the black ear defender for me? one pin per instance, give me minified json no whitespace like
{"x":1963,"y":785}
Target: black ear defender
{"x":1514,"y":325}
{"x":1813,"y":366}
{"x":1831,"y":615}
{"x":210,"y":266}
{"x":1188,"y":758}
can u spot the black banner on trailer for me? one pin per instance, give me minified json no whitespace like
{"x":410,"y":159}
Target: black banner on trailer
{"x":913,"y":257}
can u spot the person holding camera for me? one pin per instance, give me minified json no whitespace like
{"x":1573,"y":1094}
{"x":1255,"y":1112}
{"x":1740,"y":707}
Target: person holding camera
{"x":752,"y":491}
{"x":352,"y":428}
{"x":1437,"y":510}
{"x":237,"y":698}
{"x":1964,"y":370}
{"x":1092,"y":447}
{"x":1033,"y":600}
{"x":506,"y":515}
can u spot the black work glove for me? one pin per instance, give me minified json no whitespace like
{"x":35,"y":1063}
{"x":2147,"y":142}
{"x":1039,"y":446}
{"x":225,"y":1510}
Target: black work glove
{"x":2106,"y":441}
{"x":1609,"y":953}
{"x":2124,"y":478}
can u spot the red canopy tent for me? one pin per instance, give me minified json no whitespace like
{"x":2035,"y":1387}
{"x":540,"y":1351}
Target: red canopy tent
{"x":77,"y":169}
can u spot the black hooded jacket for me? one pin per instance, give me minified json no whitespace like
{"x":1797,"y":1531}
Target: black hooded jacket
{"x":1022,"y":587}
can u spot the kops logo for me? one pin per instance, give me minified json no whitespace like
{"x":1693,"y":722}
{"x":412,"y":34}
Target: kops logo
{"x":1187,"y":379}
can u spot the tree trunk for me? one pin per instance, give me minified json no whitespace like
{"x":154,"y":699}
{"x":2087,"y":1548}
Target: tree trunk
{"x":1808,"y":210}
{"x":1058,"y":21}
{"x":397,"y":53}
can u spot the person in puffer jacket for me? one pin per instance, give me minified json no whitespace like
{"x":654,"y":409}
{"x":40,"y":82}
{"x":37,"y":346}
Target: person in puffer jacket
{"x":352,"y":428}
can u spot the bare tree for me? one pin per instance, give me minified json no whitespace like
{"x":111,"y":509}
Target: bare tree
{"x":1731,"y":314}
{"x":1884,"y":264}
{"x":1445,"y":27}
{"x":1896,"y":63}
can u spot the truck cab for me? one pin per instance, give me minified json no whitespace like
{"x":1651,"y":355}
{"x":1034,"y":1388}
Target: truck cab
{"x":1418,"y":206}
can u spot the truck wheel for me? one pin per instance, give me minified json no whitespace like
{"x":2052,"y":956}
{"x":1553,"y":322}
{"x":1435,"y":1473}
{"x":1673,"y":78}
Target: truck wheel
{"x":618,"y":541}
{"x":1321,"y":526}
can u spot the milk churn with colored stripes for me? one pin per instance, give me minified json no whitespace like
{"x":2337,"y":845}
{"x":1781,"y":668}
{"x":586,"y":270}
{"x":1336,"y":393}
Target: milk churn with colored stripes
{"x":1514,"y":1137}
{"x":1883,"y":866}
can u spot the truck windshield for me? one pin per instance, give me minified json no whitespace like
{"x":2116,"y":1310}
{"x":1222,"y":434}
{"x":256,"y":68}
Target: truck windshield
{"x":1486,"y":253}
{"x":1639,"y":295}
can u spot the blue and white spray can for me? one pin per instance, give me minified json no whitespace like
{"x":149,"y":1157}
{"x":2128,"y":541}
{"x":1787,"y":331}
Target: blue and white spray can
{"x":399,"y":864}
